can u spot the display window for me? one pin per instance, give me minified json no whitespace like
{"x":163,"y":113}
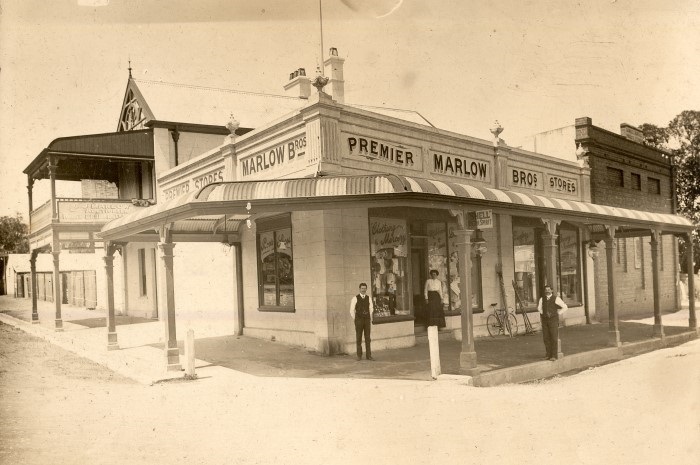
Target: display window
{"x":388,"y":261}
{"x":530,"y":266}
{"x":275,"y":264}
{"x":402,"y":253}
{"x":568,"y":266}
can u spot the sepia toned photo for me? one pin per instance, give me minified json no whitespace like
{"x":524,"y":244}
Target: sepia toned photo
{"x":349,"y":231}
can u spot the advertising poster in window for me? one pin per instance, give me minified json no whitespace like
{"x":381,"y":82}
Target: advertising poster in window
{"x":285,"y":269}
{"x":268,"y":268}
{"x":388,"y":242}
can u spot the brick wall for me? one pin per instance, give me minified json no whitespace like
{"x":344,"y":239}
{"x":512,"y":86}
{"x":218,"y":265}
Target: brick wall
{"x":602,"y":192}
{"x":634,"y":293}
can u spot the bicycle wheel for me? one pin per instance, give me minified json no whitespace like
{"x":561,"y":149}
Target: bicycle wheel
{"x":493,"y":325}
{"x":512,"y":324}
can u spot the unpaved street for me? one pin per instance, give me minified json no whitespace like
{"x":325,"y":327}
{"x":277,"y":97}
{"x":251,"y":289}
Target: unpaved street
{"x":57,"y":408}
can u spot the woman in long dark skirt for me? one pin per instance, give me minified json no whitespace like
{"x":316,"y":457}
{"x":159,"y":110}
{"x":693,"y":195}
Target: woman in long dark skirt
{"x":434,"y":299}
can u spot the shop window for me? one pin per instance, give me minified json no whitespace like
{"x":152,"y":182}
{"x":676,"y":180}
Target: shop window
{"x":568,"y":266}
{"x":530,"y":266}
{"x":636,"y":183}
{"x":654,"y":186}
{"x":388,"y":249}
{"x":525,"y":264}
{"x":275,"y":264}
{"x":143,"y":288}
{"x":615,"y":177}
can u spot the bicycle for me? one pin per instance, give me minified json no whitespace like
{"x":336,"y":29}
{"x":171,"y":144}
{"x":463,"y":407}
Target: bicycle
{"x":501,"y":321}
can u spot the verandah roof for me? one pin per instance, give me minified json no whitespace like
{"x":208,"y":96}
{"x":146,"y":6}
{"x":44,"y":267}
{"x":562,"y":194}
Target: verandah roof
{"x":244,"y":198}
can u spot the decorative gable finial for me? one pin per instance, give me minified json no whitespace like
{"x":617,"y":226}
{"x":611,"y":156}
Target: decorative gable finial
{"x":232,"y":126}
{"x":129,"y":68}
{"x":320,"y":82}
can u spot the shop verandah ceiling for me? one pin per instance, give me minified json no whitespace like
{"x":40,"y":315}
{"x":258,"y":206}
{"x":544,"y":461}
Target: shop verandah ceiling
{"x":239,"y":200}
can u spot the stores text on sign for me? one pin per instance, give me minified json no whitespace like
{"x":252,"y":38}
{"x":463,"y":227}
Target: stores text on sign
{"x":197,"y":181}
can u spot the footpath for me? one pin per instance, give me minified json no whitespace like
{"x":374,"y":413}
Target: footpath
{"x":224,"y":357}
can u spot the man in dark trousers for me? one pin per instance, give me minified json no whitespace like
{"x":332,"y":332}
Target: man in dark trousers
{"x":361,"y":310}
{"x":551,"y":307}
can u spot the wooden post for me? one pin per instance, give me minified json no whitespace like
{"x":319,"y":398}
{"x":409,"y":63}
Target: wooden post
{"x":57,"y":286}
{"x":166,"y":304}
{"x":189,"y":354}
{"x":658,"y":326}
{"x":692,"y":319}
{"x":111,"y":323}
{"x":550,"y":258}
{"x":434,"y":344}
{"x":32,"y":269}
{"x":467,"y":356}
{"x":613,"y":326}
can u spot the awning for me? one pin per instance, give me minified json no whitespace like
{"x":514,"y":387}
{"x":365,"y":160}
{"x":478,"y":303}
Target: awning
{"x":241,"y":199}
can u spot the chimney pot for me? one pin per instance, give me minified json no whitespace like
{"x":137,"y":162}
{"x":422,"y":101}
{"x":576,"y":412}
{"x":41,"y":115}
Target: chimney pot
{"x":333,"y":52}
{"x":302,"y":72}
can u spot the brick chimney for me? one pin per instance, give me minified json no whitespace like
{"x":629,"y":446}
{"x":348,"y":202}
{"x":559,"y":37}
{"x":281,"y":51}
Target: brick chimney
{"x":333,"y":69}
{"x":632,"y":133}
{"x":299,"y":85}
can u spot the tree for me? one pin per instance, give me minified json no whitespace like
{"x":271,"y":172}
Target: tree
{"x":682,"y":139}
{"x":13,"y":235}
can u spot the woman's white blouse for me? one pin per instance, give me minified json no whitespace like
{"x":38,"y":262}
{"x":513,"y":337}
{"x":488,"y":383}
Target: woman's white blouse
{"x":433,"y":285}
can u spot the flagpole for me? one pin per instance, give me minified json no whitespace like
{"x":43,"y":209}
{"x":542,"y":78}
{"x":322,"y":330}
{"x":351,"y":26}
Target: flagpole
{"x":320,"y":17}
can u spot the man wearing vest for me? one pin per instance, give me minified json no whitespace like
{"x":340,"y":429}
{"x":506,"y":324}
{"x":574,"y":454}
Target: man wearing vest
{"x":361,"y":310}
{"x":551,"y":307}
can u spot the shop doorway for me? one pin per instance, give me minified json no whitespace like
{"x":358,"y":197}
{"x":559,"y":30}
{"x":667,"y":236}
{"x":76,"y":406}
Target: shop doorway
{"x":418,"y":277}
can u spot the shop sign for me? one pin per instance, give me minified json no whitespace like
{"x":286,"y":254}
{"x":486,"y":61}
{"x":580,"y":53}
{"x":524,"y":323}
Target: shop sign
{"x":484,"y":219}
{"x":276,"y":156}
{"x":462,"y":167}
{"x":562,"y":184}
{"x":380,"y":150}
{"x":197,"y":181}
{"x":92,"y":212}
{"x":526,"y":179}
{"x":388,"y":236}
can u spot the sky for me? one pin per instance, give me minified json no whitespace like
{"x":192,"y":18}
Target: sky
{"x":532,"y":65}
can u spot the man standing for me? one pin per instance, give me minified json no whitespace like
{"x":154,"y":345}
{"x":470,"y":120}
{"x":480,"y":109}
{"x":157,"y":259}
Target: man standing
{"x":361,"y":310}
{"x":551,"y":308}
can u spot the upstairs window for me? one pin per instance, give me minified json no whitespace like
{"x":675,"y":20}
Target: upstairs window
{"x":654,"y":186}
{"x":636,"y":183}
{"x":615,"y":177}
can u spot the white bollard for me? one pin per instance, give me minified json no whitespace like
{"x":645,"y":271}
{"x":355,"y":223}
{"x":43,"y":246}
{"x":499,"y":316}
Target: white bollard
{"x":189,"y":354}
{"x":435,"y":369}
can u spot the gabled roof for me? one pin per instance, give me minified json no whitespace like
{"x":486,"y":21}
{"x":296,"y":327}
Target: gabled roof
{"x":146,"y":101}
{"x":182,"y":103}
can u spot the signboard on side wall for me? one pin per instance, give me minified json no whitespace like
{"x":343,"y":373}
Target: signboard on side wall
{"x":276,"y":161}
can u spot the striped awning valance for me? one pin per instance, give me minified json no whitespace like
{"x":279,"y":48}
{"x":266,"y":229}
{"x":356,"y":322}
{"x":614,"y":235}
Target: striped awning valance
{"x":323,"y":189}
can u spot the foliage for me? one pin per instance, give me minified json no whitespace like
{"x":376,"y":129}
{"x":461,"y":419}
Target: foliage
{"x":13,"y":235}
{"x":682,"y":138}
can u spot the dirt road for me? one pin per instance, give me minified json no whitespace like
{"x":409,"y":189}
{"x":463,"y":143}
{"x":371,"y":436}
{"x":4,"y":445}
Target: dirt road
{"x":56,"y":408}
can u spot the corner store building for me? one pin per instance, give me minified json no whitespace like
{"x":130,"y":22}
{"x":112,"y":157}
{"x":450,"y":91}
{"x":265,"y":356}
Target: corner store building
{"x":333,"y":195}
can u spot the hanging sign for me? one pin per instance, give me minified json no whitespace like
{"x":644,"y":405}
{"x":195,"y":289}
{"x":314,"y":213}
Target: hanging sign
{"x":484,"y":219}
